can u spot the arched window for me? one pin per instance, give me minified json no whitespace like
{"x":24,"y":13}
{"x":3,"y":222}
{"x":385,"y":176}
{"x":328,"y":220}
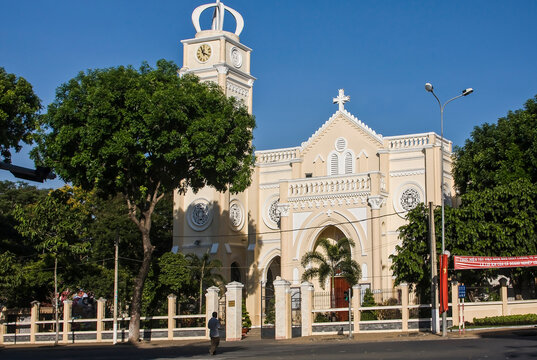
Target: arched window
{"x":348,"y":163}
{"x":334,"y":164}
{"x":235,"y":272}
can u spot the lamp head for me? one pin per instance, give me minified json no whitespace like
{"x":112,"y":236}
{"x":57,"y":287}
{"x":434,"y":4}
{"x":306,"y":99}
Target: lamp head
{"x":467,"y":91}
{"x":429,"y":87}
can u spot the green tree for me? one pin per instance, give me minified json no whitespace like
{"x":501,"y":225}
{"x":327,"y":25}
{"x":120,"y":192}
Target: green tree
{"x":59,"y":225}
{"x":205,"y":273}
{"x":19,"y":107}
{"x":496,"y":175}
{"x":498,"y":154}
{"x":143,"y":133}
{"x":335,"y":259}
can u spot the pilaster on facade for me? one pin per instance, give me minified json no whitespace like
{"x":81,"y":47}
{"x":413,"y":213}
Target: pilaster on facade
{"x":376,"y":201}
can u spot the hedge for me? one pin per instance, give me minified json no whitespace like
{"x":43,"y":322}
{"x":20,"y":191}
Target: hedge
{"x":526,"y":319}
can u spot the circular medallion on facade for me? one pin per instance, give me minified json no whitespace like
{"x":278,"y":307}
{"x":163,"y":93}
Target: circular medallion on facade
{"x":271,"y":213}
{"x":274,"y":213}
{"x":410,"y":198}
{"x":236,"y":57}
{"x":199,"y":215}
{"x":236,"y":215}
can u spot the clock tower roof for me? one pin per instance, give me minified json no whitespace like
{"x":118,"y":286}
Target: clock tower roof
{"x":218,"y":18}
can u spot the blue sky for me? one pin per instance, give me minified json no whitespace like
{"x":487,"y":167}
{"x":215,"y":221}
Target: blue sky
{"x":380,"y":52}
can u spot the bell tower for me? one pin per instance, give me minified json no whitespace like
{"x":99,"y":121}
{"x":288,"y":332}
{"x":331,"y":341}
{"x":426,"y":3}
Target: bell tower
{"x":217,"y":55}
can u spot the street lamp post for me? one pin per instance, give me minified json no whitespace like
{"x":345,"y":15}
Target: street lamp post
{"x":465,"y":92}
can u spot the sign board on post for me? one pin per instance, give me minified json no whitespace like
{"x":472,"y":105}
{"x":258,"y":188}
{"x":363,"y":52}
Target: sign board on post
{"x":462,"y":291}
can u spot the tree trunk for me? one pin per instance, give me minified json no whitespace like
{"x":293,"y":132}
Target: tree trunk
{"x":136,"y":304}
{"x":144,"y":225}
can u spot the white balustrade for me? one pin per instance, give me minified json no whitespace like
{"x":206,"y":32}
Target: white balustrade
{"x":408,"y":142}
{"x":274,"y":156}
{"x":330,"y":185}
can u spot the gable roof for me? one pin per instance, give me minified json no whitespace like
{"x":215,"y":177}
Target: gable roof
{"x":352,"y":119}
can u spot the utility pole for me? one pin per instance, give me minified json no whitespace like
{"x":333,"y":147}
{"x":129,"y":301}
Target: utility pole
{"x":434,"y":288}
{"x":57,"y":326}
{"x":116,"y":270}
{"x":349,"y":298}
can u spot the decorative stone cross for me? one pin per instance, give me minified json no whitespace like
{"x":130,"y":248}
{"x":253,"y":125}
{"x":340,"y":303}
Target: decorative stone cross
{"x":341,"y":99}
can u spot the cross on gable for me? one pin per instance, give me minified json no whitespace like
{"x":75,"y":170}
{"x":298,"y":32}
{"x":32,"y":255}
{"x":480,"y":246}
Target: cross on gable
{"x":341,"y":99}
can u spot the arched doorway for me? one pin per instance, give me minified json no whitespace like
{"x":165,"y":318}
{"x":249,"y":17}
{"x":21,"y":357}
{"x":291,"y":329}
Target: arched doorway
{"x":334,"y":288}
{"x":267,"y":291}
{"x":235,"y":272}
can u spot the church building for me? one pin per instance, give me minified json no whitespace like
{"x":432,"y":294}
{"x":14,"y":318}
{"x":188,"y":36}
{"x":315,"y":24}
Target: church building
{"x":345,"y":180}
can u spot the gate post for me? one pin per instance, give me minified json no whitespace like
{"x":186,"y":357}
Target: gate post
{"x":100,"y":317}
{"x":356,"y":298}
{"x":306,"y":304}
{"x":211,"y":305}
{"x":404,"y":306}
{"x":34,"y":317}
{"x":454,"y":303}
{"x":67,"y":314}
{"x":234,"y":311}
{"x":3,"y":326}
{"x":172,"y":309}
{"x":282,"y":292}
{"x":505,"y":309}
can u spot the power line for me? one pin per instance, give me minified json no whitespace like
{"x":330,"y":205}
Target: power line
{"x":287,"y":230}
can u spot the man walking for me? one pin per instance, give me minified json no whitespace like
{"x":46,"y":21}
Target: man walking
{"x":213,"y":326}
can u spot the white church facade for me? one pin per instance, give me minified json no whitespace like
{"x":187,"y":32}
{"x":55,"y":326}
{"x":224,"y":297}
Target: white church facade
{"x":345,"y":180}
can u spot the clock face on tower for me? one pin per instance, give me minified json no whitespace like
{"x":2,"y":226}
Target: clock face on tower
{"x":204,"y":53}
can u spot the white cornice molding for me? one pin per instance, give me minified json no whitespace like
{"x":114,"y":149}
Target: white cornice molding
{"x":221,"y":68}
{"x":216,"y":37}
{"x":410,"y":172}
{"x":269,"y":186}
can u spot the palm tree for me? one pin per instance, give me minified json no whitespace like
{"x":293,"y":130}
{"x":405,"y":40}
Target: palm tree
{"x":203,"y":269}
{"x":334,"y":260}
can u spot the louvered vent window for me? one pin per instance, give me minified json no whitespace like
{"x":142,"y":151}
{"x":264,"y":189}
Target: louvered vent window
{"x":334,"y":162}
{"x":348,"y":163}
{"x":341,"y":144}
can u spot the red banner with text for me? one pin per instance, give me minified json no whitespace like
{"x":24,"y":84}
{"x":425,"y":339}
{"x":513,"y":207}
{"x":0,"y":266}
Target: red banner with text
{"x":488,"y":262}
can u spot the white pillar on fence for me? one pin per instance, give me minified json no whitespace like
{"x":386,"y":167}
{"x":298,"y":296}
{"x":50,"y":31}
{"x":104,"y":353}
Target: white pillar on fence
{"x":234,"y":311}
{"x":172,"y":308}
{"x":503,"y":295}
{"x":282,"y":292}
{"x":404,"y":306}
{"x":455,"y":303}
{"x":211,"y":305}
{"x":3,"y":326}
{"x":306,"y":307}
{"x":100,"y":317}
{"x":34,"y":317}
{"x":67,"y":315}
{"x":356,"y":298}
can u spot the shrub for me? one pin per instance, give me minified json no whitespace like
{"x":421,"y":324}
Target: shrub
{"x":526,"y":319}
{"x":246,"y":322}
{"x":321,"y":318}
{"x":389,"y":314}
{"x":369,"y":300}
